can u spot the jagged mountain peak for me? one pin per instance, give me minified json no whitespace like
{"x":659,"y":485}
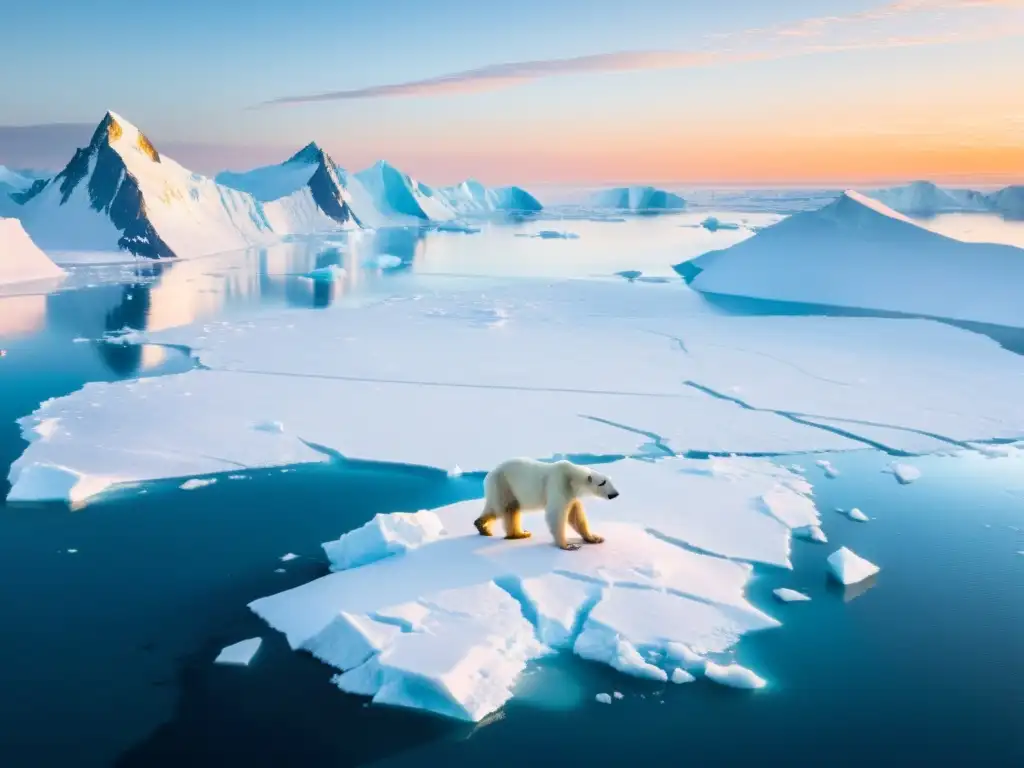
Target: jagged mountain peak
{"x":310,"y":154}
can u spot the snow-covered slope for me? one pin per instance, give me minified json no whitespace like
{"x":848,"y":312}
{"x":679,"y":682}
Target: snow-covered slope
{"x":926,"y":198}
{"x":120,"y":194}
{"x":473,"y":198}
{"x":640,"y":199}
{"x":399,"y":197}
{"x":302,"y":195}
{"x":20,"y":259}
{"x":1009,"y":202}
{"x":856,"y":252}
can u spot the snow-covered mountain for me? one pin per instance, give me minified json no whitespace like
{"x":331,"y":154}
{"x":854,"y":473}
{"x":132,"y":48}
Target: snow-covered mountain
{"x":1009,"y":202}
{"x":20,"y":258}
{"x":304,"y":194}
{"x":473,"y":198}
{"x":120,"y":194}
{"x":856,"y":252}
{"x":638,"y":199}
{"x":923,"y":198}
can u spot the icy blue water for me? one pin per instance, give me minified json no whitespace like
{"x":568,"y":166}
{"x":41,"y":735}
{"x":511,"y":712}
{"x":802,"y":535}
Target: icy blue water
{"x":107,"y":650}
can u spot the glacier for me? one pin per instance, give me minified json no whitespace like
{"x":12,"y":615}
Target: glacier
{"x":449,"y":625}
{"x":639,"y":199}
{"x":20,"y":259}
{"x":858,"y":253}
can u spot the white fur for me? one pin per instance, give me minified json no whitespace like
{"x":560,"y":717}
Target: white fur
{"x":537,"y":485}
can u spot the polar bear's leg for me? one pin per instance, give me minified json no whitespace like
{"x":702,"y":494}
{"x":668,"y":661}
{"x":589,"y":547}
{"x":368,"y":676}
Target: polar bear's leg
{"x":580,"y":524}
{"x":483,"y":523}
{"x":513,"y":519}
{"x":557,"y":513}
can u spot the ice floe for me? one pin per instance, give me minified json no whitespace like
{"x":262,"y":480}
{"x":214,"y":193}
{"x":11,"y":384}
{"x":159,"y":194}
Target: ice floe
{"x":787,"y":595}
{"x":849,"y":567}
{"x":603,"y":698}
{"x":733,"y":675}
{"x":905,"y":473}
{"x":611,"y":369}
{"x":240,"y":653}
{"x":196,"y":482}
{"x":449,"y":623}
{"x":680,"y":676}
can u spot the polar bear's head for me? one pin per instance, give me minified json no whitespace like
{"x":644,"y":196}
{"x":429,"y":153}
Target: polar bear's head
{"x":595,"y":484}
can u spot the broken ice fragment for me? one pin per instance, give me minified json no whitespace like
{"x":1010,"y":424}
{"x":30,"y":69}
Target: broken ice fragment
{"x":850,"y":568}
{"x":240,"y":653}
{"x":733,"y":675}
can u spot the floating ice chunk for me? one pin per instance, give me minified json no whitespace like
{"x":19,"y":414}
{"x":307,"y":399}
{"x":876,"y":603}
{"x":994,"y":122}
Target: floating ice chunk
{"x":72,"y":551}
{"x":280,"y":570}
{"x":40,"y":481}
{"x":733,"y":675}
{"x":240,"y":653}
{"x":617,"y":694}
{"x":850,"y":568}
{"x":789,"y":595}
{"x":383,"y":536}
{"x":680,"y":676}
{"x":474,"y":645}
{"x":680,"y":654}
{"x":269,"y":426}
{"x":287,"y":557}
{"x":827,"y":467}
{"x":196,"y":482}
{"x":905,"y":473}
{"x":811,"y":533}
{"x":603,"y":698}
{"x":856,"y":514}
{"x":387,"y":261}
{"x":455,"y":471}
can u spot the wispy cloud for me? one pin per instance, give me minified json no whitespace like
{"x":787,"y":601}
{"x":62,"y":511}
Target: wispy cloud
{"x":809,"y":36}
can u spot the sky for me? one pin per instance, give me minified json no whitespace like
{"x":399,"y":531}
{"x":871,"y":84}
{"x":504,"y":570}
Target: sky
{"x":731,"y":92}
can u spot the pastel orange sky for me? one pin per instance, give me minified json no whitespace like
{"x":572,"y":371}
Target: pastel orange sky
{"x":738,"y":91}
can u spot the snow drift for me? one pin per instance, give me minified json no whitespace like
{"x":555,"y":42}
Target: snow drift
{"x":638,"y":199}
{"x":858,"y":253}
{"x":20,"y":259}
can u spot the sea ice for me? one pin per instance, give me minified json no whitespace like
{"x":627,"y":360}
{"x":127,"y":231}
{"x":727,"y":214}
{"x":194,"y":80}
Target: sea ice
{"x":905,"y":473}
{"x":683,"y":380}
{"x":603,"y":698}
{"x":552,"y":234}
{"x":850,"y":568}
{"x":384,"y":535}
{"x":287,"y":557}
{"x":733,"y":675}
{"x":789,"y":595}
{"x":680,"y":676}
{"x":827,"y":468}
{"x":387,"y":261}
{"x":617,"y":694}
{"x":195,"y":482}
{"x":240,"y":653}
{"x":425,"y":605}
{"x":856,"y":514}
{"x":713,"y":224}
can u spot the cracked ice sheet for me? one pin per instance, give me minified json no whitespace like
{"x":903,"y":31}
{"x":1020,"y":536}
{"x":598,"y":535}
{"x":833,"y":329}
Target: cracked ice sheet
{"x":528,"y":359}
{"x":449,"y":624}
{"x":909,"y":374}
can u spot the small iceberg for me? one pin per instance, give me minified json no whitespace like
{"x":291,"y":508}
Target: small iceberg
{"x":239,"y":654}
{"x":827,"y":468}
{"x":680,"y":676}
{"x":734,"y":676}
{"x":195,"y":482}
{"x":553,"y":234}
{"x":603,"y":698}
{"x":905,"y":473}
{"x":387,"y":261}
{"x":790,"y":595}
{"x":850,"y":568}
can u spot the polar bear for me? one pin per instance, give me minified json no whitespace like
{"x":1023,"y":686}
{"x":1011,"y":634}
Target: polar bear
{"x":525,"y":485}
